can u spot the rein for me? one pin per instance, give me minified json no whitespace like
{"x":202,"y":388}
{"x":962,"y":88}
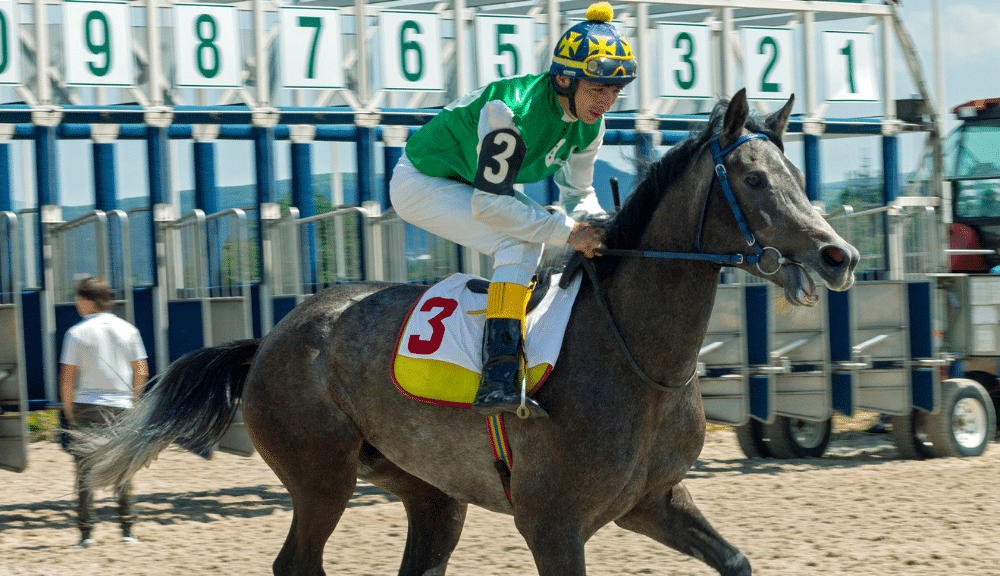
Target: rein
{"x":718,"y":156}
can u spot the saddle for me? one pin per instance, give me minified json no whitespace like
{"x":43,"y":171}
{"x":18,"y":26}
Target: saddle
{"x":438,"y":357}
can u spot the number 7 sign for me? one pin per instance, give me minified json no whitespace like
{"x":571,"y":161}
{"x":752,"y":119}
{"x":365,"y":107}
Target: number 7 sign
{"x":849,"y":66}
{"x":310,"y":48}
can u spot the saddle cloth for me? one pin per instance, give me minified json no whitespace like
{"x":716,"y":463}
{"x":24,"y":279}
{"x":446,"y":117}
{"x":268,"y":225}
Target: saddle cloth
{"x":438,"y":355}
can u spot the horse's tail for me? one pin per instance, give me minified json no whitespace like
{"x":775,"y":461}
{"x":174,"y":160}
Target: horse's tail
{"x":192,"y":403}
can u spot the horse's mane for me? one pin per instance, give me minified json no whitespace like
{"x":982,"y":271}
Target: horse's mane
{"x":656,"y":176}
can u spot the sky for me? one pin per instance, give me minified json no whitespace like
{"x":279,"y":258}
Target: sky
{"x":970,"y":32}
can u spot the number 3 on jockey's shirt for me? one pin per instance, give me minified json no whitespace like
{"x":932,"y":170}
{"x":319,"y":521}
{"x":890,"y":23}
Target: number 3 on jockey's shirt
{"x":500,"y":157}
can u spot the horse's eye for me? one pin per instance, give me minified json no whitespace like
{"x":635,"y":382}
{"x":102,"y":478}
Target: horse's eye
{"x":756,"y":180}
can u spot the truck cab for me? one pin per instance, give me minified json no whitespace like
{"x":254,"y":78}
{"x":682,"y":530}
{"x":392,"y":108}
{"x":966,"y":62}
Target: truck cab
{"x":973,"y":171}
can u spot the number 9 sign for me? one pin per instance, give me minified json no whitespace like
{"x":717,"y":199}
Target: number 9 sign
{"x":411,"y":50}
{"x":10,"y":47}
{"x":98,"y":50}
{"x":205,"y":48}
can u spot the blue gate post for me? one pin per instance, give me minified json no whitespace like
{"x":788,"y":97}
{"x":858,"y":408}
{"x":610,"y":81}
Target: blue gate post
{"x":106,"y":186}
{"x":890,"y":190}
{"x":303,"y":197}
{"x":50,"y":212}
{"x":206,"y":199}
{"x":151,"y":312}
{"x":260,"y":294}
{"x":813,"y":173}
{"x":364,"y":141}
{"x":6,"y":196}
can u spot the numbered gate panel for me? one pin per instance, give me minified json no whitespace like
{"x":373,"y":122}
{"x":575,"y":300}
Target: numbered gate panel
{"x":726,"y":399}
{"x":879,"y":320}
{"x":799,"y":334}
{"x":230,"y":319}
{"x":883,"y":390}
{"x":725,"y":342}
{"x":803,"y":395}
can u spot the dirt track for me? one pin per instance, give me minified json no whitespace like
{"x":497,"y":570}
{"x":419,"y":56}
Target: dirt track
{"x":860,"y":510}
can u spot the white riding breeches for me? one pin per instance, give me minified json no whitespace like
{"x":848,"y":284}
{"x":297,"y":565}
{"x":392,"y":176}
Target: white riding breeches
{"x":512,"y":229}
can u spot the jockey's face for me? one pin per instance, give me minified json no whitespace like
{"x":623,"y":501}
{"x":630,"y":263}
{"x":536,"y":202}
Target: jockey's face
{"x":592,"y":99}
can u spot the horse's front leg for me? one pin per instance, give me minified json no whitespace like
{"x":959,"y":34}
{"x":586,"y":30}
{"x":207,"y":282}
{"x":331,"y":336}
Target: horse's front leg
{"x":673,"y":519}
{"x":555,"y":544}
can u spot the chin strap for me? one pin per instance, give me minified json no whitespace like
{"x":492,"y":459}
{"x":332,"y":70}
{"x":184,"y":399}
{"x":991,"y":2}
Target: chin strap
{"x":569,"y":92}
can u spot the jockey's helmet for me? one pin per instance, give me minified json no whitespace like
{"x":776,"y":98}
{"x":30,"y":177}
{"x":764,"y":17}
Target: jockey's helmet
{"x":594,"y":50}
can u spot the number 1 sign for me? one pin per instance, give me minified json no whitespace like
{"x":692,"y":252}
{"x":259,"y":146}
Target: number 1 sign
{"x":98,"y":47}
{"x":849,"y":66}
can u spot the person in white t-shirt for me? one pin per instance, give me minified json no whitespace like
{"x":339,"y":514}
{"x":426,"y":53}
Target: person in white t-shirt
{"x":103,"y":369}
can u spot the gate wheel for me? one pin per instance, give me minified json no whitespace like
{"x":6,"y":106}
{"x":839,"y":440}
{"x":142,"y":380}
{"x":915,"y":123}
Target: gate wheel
{"x":910,"y":434}
{"x":750,"y":437}
{"x":798,"y":438}
{"x":966,"y":422}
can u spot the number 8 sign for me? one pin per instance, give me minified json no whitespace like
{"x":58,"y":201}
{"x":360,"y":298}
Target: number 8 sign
{"x":97,"y":38}
{"x":205,"y":48}
{"x":411,"y":50}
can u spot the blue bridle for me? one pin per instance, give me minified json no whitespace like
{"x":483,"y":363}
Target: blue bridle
{"x":718,"y":157}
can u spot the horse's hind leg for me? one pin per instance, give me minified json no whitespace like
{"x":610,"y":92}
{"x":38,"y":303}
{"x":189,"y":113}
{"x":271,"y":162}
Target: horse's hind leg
{"x":673,"y":519}
{"x":317,"y":463}
{"x":434,"y":519}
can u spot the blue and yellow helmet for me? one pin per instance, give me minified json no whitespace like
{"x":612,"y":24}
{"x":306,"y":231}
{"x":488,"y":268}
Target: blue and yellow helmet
{"x":594,"y":50}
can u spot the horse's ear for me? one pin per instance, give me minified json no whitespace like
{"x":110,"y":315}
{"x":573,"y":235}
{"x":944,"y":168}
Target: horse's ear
{"x":778,"y":121}
{"x":736,"y":117}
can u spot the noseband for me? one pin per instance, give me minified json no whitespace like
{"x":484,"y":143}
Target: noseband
{"x":718,"y":157}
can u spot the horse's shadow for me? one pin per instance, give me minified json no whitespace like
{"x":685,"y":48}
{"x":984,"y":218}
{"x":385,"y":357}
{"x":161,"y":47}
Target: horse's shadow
{"x":174,"y":507}
{"x":842,"y":454}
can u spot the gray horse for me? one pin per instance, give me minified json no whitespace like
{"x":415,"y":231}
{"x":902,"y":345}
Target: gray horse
{"x":626,"y":418}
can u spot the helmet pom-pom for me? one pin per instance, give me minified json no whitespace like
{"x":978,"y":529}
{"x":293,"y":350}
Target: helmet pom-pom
{"x":600,"y":12}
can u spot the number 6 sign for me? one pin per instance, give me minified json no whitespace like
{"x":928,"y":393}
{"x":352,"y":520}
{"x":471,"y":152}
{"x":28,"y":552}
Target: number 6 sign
{"x":98,"y":50}
{"x":411,"y":50}
{"x":205,"y":48}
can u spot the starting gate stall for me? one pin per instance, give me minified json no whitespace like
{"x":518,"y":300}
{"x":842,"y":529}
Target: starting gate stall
{"x":13,"y":382}
{"x":207,"y":276}
{"x":93,"y":244}
{"x":722,"y":361}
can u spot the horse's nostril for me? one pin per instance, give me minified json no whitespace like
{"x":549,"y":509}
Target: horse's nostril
{"x":833,"y":257}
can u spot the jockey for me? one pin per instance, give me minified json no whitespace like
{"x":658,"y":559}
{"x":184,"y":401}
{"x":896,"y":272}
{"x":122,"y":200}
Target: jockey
{"x":457,"y":177}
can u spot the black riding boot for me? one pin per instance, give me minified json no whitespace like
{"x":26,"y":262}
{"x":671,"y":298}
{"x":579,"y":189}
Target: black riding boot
{"x":500,"y":387}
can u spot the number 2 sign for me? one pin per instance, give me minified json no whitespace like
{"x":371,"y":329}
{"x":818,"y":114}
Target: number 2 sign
{"x":98,"y":47}
{"x":767,"y":63}
{"x":207,"y":54}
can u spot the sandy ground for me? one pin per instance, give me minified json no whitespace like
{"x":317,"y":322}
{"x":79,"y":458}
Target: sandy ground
{"x":859,"y":510}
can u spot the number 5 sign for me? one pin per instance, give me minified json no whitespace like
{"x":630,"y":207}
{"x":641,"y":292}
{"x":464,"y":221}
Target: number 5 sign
{"x":849,"y":75}
{"x":98,"y":48}
{"x":505,"y":46}
{"x":411,"y":50}
{"x":768,"y":65}
{"x":205,"y":48}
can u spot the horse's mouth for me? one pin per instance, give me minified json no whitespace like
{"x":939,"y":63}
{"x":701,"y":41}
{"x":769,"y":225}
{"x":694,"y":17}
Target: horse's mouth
{"x":799,"y":286}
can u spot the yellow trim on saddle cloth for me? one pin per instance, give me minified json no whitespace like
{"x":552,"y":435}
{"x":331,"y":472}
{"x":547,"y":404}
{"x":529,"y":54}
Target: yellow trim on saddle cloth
{"x":446,"y":383}
{"x":507,"y":300}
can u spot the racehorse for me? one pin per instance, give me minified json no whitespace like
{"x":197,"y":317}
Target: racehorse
{"x":625,"y":422}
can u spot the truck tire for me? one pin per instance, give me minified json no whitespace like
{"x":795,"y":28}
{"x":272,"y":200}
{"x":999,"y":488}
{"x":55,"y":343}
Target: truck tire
{"x":910,"y":434}
{"x":797,"y":438}
{"x":966,"y":422}
{"x":750,"y":437}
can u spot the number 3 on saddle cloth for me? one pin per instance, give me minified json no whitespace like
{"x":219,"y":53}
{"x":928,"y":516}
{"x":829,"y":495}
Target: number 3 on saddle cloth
{"x":439,"y":352}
